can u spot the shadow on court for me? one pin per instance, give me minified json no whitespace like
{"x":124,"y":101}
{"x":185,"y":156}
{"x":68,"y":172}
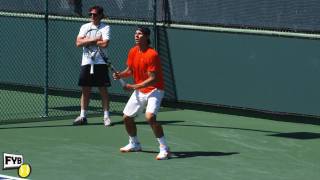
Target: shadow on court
{"x":298,"y":135}
{"x":31,"y":127}
{"x":99,"y":109}
{"x":75,"y":108}
{"x":247,"y":112}
{"x":292,"y":135}
{"x":190,"y":154}
{"x":89,"y":124}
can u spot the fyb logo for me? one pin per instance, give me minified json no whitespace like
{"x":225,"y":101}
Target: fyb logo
{"x":11,"y":161}
{"x":15,"y":161}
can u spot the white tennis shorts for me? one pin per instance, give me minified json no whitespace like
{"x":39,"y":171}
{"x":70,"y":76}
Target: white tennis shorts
{"x":138,"y":101}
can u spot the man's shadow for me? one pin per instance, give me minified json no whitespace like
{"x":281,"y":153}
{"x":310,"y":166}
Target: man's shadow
{"x":190,"y":154}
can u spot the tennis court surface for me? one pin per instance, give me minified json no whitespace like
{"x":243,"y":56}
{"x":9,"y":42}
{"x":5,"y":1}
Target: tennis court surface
{"x":205,"y":145}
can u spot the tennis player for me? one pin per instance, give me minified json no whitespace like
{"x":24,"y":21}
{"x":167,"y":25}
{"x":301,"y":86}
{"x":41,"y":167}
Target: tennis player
{"x":144,"y":65}
{"x":100,"y":77}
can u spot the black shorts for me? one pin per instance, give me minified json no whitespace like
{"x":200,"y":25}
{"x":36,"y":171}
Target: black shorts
{"x":100,"y":77}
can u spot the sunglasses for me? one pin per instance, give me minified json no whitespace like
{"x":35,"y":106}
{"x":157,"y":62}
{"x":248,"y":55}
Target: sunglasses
{"x":93,"y":14}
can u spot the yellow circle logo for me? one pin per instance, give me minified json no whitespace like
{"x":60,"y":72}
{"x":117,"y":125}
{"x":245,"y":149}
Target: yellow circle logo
{"x":24,"y":170}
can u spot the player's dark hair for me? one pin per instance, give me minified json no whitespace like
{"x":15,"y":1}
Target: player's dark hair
{"x":146,"y":31}
{"x":99,"y":10}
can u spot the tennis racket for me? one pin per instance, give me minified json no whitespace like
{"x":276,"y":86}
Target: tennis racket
{"x":109,"y":64}
{"x":92,"y":50}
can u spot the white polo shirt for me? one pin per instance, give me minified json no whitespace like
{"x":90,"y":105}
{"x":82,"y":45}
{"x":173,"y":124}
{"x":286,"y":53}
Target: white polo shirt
{"x":105,"y":32}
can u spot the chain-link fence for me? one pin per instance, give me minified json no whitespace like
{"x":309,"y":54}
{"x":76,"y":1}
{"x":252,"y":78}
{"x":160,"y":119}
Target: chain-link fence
{"x":40,"y":63}
{"x":284,"y":15}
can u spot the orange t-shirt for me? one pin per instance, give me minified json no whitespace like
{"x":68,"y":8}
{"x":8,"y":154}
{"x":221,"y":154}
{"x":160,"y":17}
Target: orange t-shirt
{"x":141,"y":63}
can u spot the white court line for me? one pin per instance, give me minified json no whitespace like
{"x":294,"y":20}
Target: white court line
{"x":10,"y":177}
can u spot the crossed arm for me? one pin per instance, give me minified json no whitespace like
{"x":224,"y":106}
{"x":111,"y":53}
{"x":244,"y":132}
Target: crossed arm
{"x":85,"y":41}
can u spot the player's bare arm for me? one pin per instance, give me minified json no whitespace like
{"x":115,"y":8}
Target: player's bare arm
{"x":148,"y":82}
{"x":124,"y":74}
{"x":103,"y":43}
{"x":84,"y":41}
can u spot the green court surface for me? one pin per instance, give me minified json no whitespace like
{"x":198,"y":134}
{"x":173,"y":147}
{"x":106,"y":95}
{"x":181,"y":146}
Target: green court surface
{"x":204,"y":145}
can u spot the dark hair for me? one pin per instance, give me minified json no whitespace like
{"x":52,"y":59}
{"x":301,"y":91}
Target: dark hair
{"x":146,"y":31}
{"x":99,"y":10}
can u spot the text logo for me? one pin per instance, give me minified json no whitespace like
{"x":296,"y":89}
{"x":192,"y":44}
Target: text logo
{"x":11,"y":161}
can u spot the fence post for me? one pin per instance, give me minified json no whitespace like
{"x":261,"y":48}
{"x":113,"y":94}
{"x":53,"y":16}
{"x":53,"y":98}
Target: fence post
{"x":155,"y":30}
{"x":46,"y":19}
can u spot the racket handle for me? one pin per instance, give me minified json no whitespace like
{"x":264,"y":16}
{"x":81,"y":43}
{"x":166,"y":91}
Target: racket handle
{"x":91,"y":69}
{"x":123,"y":84}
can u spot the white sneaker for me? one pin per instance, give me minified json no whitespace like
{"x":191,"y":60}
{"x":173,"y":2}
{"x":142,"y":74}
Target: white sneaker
{"x":80,"y":121}
{"x":131,"y":147}
{"x":164,"y":154}
{"x":106,"y":121}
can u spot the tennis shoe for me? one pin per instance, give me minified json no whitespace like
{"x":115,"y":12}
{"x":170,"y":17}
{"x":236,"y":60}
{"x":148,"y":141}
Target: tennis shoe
{"x":164,"y":154}
{"x":107,"y":122}
{"x":80,"y":121}
{"x":131,"y":147}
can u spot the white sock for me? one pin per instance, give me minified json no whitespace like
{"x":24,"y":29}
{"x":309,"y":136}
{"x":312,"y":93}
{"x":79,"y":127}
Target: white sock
{"x":133,"y":139}
{"x":162,"y":142}
{"x":106,"y":114}
{"x":83,"y":113}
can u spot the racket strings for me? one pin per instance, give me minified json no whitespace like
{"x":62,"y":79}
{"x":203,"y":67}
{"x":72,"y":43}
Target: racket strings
{"x":91,"y":51}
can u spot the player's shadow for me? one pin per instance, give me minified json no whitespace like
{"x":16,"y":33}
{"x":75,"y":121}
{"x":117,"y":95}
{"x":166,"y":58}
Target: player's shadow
{"x":191,"y":154}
